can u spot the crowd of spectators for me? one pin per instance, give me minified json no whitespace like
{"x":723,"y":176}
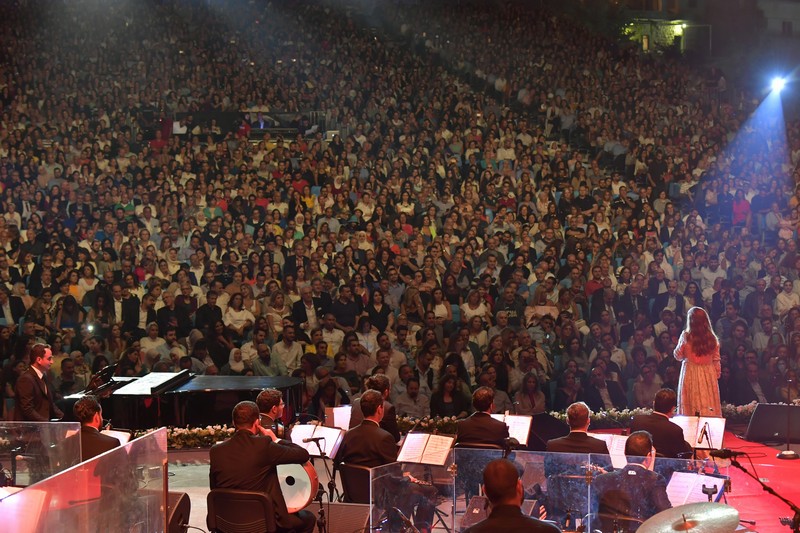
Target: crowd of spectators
{"x":512,"y":202}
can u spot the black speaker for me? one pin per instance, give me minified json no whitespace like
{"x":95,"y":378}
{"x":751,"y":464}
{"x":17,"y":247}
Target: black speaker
{"x":770,"y":422}
{"x":477,"y":510}
{"x":545,"y":427}
{"x":179,"y":506}
{"x":344,"y":517}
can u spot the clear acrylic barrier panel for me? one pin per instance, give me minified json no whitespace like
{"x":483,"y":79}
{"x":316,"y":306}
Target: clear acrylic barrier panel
{"x":33,"y":451}
{"x":121,"y":490}
{"x":406,"y":493}
{"x":566,"y":488}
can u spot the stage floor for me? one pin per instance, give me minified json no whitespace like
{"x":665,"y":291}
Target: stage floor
{"x":189,"y":473}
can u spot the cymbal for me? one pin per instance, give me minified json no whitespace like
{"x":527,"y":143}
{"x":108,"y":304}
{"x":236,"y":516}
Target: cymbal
{"x":703,"y":517}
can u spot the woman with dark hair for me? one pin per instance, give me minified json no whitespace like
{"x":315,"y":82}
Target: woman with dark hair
{"x":530,"y":399}
{"x":448,"y":399}
{"x":378,"y":311}
{"x":698,"y":349}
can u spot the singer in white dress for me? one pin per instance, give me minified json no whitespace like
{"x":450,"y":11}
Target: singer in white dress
{"x":698,"y":349}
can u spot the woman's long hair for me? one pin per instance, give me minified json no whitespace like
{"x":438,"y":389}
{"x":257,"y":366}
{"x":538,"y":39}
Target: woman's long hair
{"x":698,"y":333}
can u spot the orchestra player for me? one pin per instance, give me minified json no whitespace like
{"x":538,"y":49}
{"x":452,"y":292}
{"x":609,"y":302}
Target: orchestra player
{"x":248,"y":459}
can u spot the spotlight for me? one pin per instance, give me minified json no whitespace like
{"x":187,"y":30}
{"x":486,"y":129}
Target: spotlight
{"x":778,"y":84}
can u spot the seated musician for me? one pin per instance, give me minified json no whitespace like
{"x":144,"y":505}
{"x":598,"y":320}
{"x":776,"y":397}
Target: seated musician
{"x":270,"y":406}
{"x":369,"y":445}
{"x":625,"y":498}
{"x":248,"y":459}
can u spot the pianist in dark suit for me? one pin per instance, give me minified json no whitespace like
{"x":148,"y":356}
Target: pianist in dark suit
{"x":89,"y":413}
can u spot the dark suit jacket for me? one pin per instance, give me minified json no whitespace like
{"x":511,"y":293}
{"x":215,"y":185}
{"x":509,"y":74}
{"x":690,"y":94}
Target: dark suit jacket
{"x":33,"y":404}
{"x":388,"y":423}
{"x":367,"y":445}
{"x":744,"y":393}
{"x":632,"y":492}
{"x":510,"y":518}
{"x":17,"y":309}
{"x":667,"y":436}
{"x":577,"y":442}
{"x":595,"y":402}
{"x":660,"y":302}
{"x":597,"y":305}
{"x":130,"y":314}
{"x":181,"y":316}
{"x":93,"y":443}
{"x":480,"y":428}
{"x":247,"y":462}
{"x":626,"y":304}
{"x":299,"y":314}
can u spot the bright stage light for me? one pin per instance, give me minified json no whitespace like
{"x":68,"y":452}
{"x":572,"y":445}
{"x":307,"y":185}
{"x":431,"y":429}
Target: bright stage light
{"x":778,"y":84}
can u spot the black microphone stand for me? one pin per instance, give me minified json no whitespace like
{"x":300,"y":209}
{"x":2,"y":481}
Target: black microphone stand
{"x":322,"y":525}
{"x":795,"y":522}
{"x":788,"y":453}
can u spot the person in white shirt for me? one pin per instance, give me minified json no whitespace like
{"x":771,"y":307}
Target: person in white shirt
{"x":288,"y":350}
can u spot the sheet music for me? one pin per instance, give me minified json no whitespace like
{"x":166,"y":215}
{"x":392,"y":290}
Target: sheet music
{"x":437,"y":450}
{"x":692,"y":427}
{"x":425,"y":448}
{"x":413,"y":446}
{"x":123,"y":436}
{"x":519,"y":426}
{"x":687,"y":487}
{"x":338,"y":417}
{"x":332,"y":438}
{"x":616,"y":447}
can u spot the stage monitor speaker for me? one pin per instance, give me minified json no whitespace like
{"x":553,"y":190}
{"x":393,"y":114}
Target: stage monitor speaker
{"x":346,"y":517}
{"x":179,"y":506}
{"x":477,"y":510}
{"x":545,"y":427}
{"x":769,"y":424}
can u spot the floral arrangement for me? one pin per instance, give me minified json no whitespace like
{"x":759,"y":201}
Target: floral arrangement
{"x":447,"y":425}
{"x":613,"y":418}
{"x":182,"y":438}
{"x":205,"y":437}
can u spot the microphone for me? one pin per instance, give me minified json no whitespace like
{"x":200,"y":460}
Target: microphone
{"x":703,"y":433}
{"x":313,"y":439}
{"x":725,"y":453}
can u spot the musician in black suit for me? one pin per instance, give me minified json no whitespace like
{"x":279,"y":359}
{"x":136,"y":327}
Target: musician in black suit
{"x":633,"y":494}
{"x":380,"y":383}
{"x":34,"y":391}
{"x":578,"y":440}
{"x":367,"y":444}
{"x":248,"y":459}
{"x":89,"y":413}
{"x":667,"y":436}
{"x":504,"y":489}
{"x":270,"y":407}
{"x":480,"y":428}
